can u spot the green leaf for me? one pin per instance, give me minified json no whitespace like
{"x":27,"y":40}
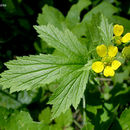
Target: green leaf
{"x":4,"y":113}
{"x":105,"y":8}
{"x":120,"y":77}
{"x":10,"y":120}
{"x":8,"y":101}
{"x":65,"y":42}
{"x":10,"y":6}
{"x":65,"y":119}
{"x":92,"y":33}
{"x":73,"y":16}
{"x":45,"y":116}
{"x":106,"y":30}
{"x":88,"y":126}
{"x":23,"y":121}
{"x":27,"y":97}
{"x":29,"y":72}
{"x":70,"y":91}
{"x":51,"y":15}
{"x":125,"y":119}
{"x":120,"y":20}
{"x":80,"y":29}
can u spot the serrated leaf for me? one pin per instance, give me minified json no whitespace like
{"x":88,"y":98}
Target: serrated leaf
{"x":70,"y":91}
{"x":106,"y":30}
{"x":92,"y":33}
{"x":73,"y":16}
{"x":51,"y":15}
{"x":31,"y":72}
{"x":65,"y":42}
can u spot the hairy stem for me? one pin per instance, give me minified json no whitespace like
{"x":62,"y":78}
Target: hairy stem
{"x":77,"y":124}
{"x":84,"y":113}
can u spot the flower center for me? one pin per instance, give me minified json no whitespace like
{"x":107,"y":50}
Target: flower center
{"x":117,"y":40}
{"x":107,"y":60}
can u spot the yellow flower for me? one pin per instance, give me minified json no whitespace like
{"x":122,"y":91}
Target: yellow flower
{"x":108,"y":64}
{"x":118,"y":31}
{"x":112,"y":51}
{"x":108,"y":71}
{"x":101,"y":50}
{"x":126,"y":38}
{"x":115,"y":64}
{"x":98,"y":66}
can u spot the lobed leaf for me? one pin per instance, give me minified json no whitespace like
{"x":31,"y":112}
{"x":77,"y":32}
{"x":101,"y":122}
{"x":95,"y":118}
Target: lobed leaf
{"x":70,"y":91}
{"x":106,"y":30}
{"x":51,"y":15}
{"x":65,"y":42}
{"x":73,"y":16}
{"x":29,"y":72}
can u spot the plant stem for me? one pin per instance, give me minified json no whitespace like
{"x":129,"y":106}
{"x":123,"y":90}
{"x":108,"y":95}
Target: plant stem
{"x":104,"y":79}
{"x":78,"y":125}
{"x":84,"y":113}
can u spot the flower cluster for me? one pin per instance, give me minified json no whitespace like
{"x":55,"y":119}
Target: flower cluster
{"x":108,"y":62}
{"x":118,"y":31}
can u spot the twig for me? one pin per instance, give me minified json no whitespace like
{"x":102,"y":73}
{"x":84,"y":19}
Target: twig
{"x":84,"y":113}
{"x":104,"y":79}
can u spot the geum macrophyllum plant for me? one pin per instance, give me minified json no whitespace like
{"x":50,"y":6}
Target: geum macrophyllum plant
{"x":108,"y":62}
{"x":118,"y":31}
{"x":70,"y":64}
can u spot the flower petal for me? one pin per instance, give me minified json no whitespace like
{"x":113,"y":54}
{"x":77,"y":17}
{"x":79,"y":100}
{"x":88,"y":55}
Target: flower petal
{"x":116,"y":64}
{"x":126,"y":38}
{"x":101,"y":50}
{"x":118,"y":30}
{"x":112,"y":51}
{"x":98,"y":66}
{"x":108,"y":71}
